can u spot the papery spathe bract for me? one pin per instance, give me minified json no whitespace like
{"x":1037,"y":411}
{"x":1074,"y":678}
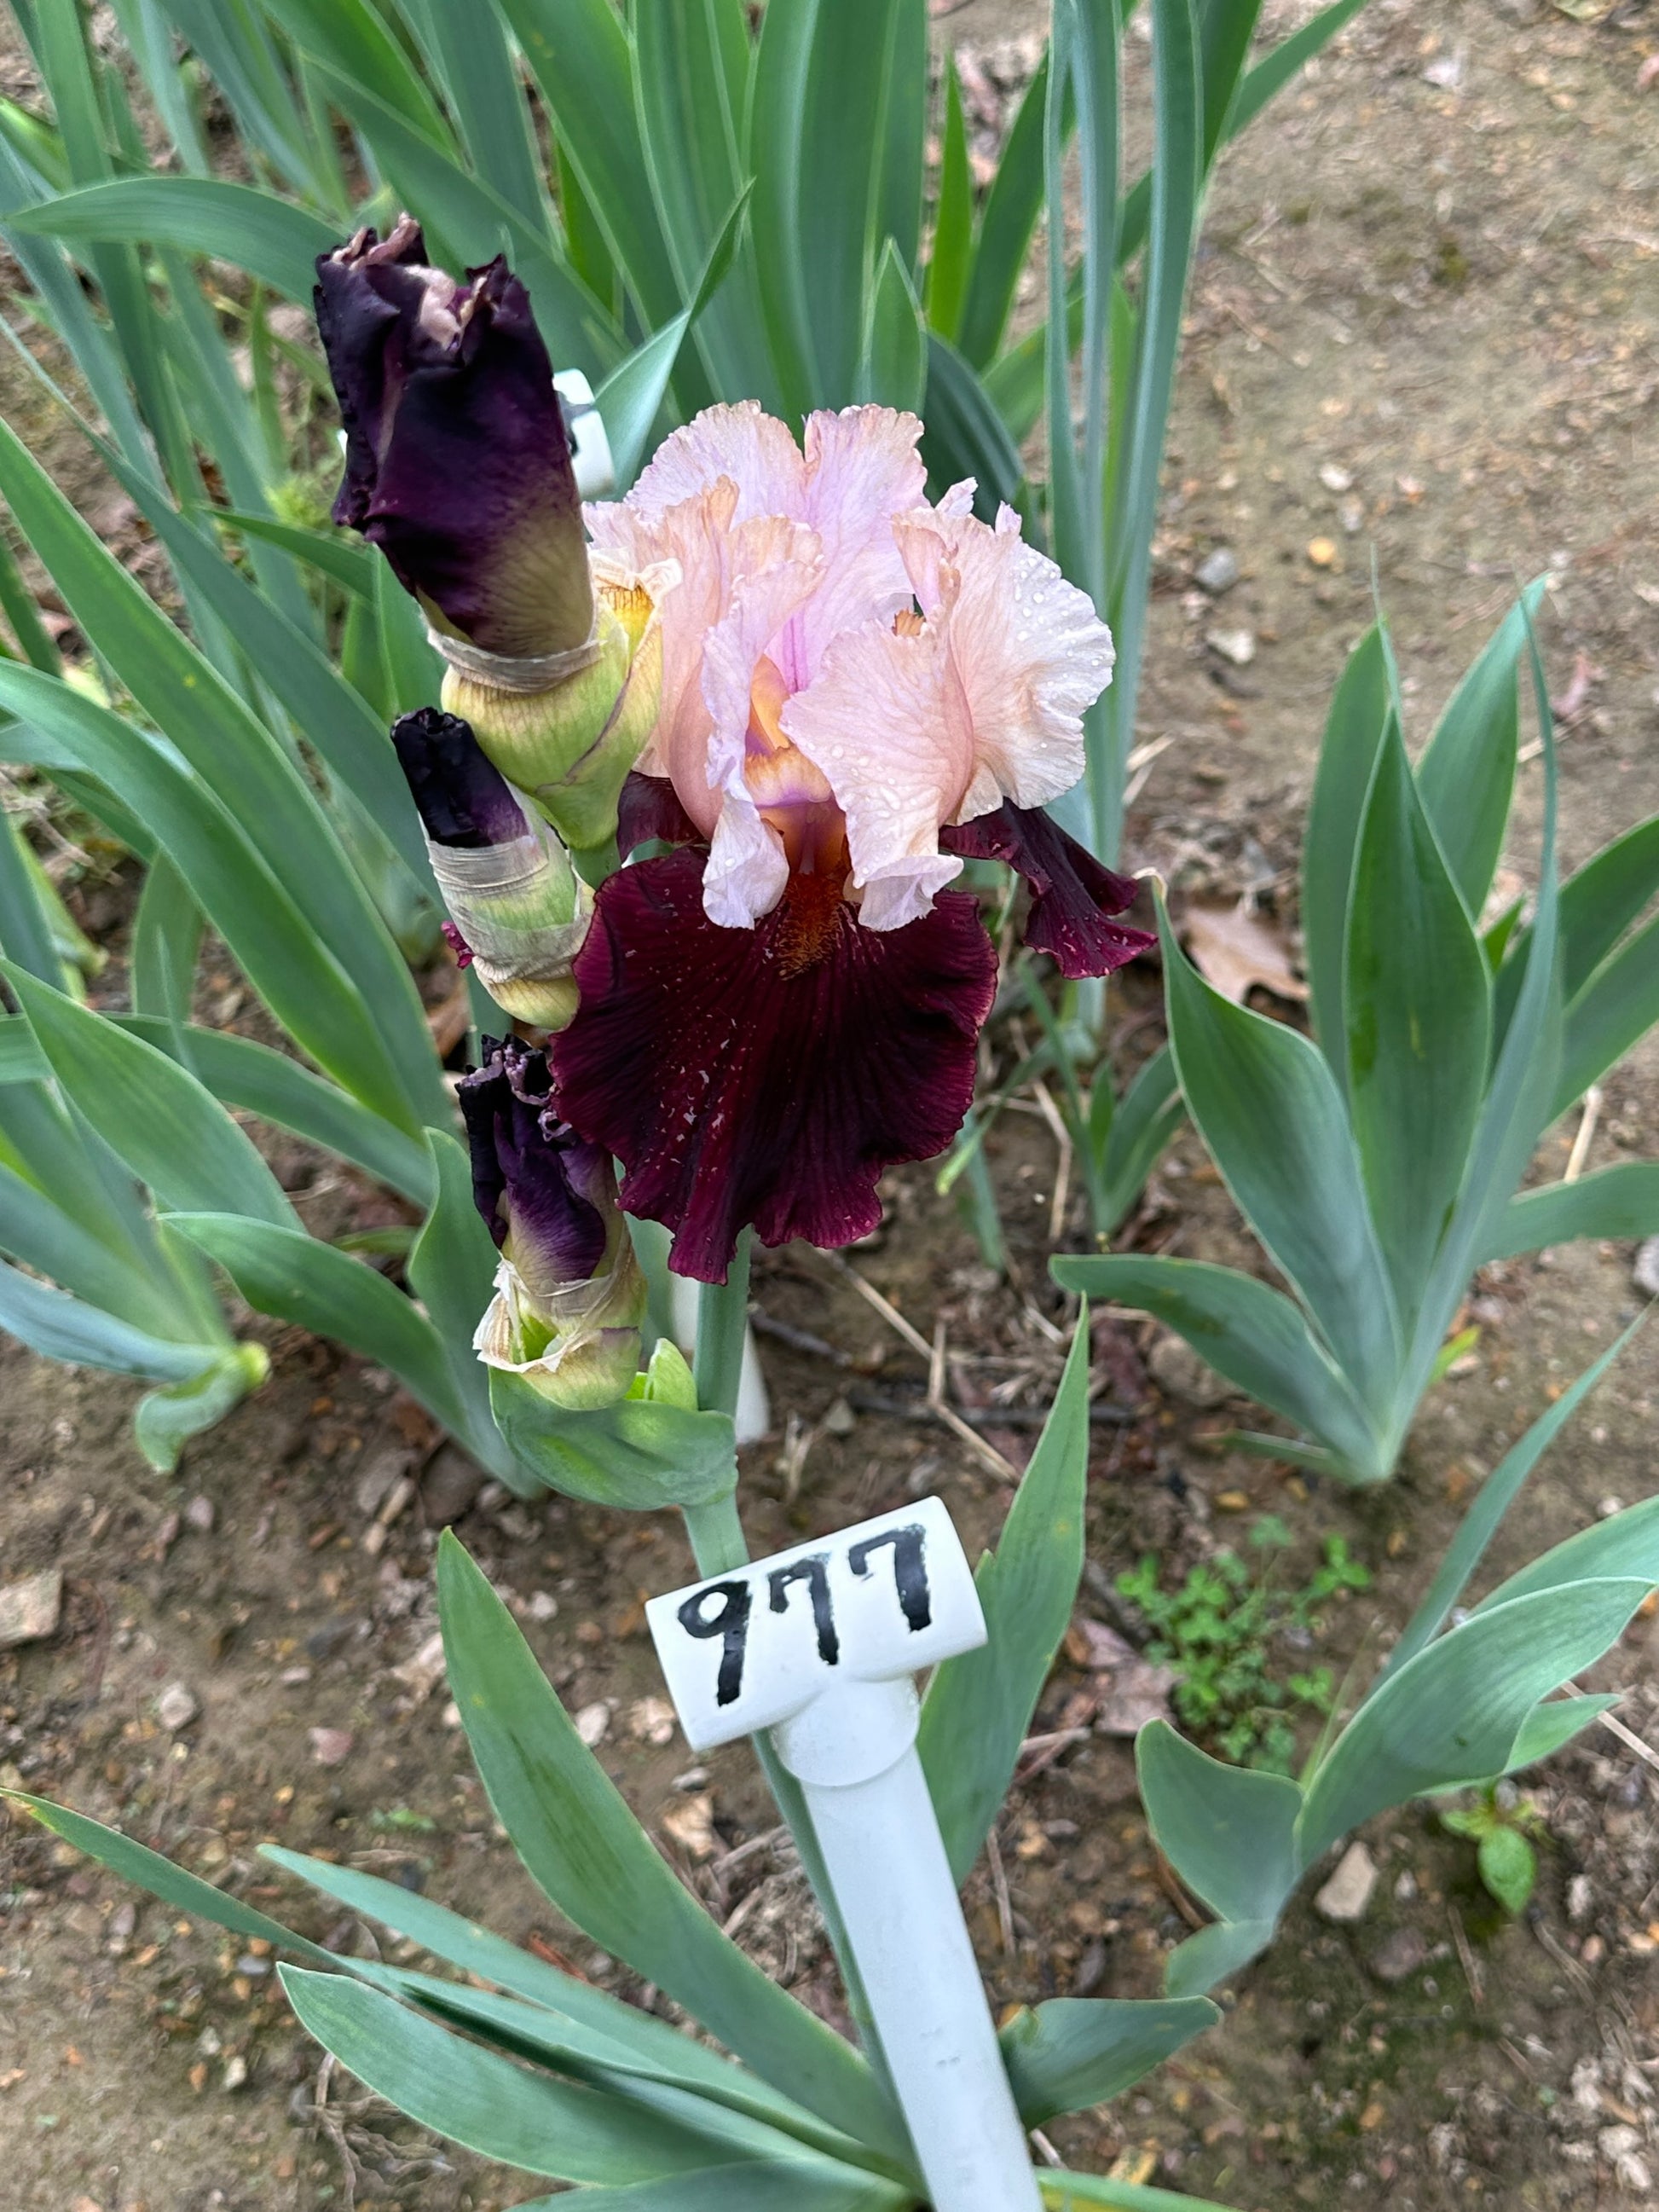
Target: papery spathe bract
{"x":519,"y":911}
{"x":570,"y":745}
{"x":578,"y":1348}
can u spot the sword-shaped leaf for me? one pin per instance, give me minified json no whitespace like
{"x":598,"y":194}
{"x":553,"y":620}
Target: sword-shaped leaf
{"x":979,"y":1705}
{"x":585,"y":1847}
{"x":1353,"y":736}
{"x":1416,"y":1001}
{"x":1253,"y":1334}
{"x":59,"y":1326}
{"x":271,"y":238}
{"x":691,"y":84}
{"x":1228,"y":1832}
{"x":245,"y":1074}
{"x":1467,"y":774}
{"x":763,"y":2185}
{"x":271,"y":939}
{"x":1485,"y":1516}
{"x":581,"y":56}
{"x":153,"y":1115}
{"x":1075,"y":2052}
{"x":539,"y":2122}
{"x":1456,"y":1710}
{"x":1269,"y":1110}
{"x":236,"y":758}
{"x":1003,"y":244}
{"x":1615,"y":1202}
{"x":297,"y":1278}
{"x":1625,"y":1543}
{"x":893,"y":372}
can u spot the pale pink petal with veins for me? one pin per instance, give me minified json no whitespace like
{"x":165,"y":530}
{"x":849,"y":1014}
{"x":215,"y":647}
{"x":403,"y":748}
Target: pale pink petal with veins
{"x":1029,"y":652}
{"x":875,"y":682}
{"x":754,"y":449}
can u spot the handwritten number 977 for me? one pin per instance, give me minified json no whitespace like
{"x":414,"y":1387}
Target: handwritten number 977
{"x":722,"y":1609}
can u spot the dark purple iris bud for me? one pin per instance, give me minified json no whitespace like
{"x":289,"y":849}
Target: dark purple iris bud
{"x":463,"y":797}
{"x":457,"y":460}
{"x":1073,"y":897}
{"x":547,"y":1197}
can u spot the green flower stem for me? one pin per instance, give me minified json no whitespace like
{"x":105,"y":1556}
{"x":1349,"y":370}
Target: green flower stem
{"x":593,"y":863}
{"x":719,"y":1545}
{"x":722,"y":1327}
{"x":716,"y":1533}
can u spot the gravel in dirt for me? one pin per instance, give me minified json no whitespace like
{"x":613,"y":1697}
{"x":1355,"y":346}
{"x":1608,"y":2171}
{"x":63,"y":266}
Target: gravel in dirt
{"x":1424,"y":333}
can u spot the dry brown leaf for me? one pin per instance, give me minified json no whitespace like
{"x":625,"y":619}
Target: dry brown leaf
{"x":1136,"y":1694}
{"x":1238,"y":951}
{"x":1132,"y":1691}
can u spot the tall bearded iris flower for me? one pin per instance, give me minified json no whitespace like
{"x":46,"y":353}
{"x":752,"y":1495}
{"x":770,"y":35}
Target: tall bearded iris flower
{"x":859,"y":690}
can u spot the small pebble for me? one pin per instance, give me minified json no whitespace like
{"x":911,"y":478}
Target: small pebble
{"x":1347,"y":1893}
{"x":543,"y":1605}
{"x":177,"y":1707}
{"x":1321,"y":552}
{"x":691,"y":1824}
{"x":651,"y":1721}
{"x":235,"y":2073}
{"x":331,"y":1746}
{"x":1237,"y":646}
{"x":199,"y":1513}
{"x":1217,"y":572}
{"x":591,"y":1723}
{"x":1645,"y":1273}
{"x":29,"y":1609}
{"x":1334,"y":478}
{"x":1399,"y":1956}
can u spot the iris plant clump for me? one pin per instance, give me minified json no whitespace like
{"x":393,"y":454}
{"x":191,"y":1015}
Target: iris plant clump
{"x":793,"y":694}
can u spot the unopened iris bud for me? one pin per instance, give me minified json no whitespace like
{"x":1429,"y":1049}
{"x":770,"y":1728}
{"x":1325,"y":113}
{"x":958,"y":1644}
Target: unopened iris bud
{"x":569,"y":1297}
{"x":457,"y":460}
{"x":458,"y":467}
{"x":519,"y":912}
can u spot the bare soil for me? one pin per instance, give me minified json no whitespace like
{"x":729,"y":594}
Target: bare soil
{"x":1432,"y":270}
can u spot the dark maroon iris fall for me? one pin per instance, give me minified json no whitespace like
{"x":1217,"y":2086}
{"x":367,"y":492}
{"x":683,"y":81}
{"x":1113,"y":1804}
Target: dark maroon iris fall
{"x":768,"y":1076}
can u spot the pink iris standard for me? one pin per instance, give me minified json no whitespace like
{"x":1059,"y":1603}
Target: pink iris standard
{"x":861,"y":689}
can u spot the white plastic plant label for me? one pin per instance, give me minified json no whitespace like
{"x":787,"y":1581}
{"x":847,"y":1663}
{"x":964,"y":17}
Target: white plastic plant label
{"x":874,"y":1603}
{"x":590,"y":447}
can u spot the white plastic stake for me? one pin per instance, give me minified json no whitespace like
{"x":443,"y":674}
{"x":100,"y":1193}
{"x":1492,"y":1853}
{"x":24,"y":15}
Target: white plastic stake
{"x":590,"y":447}
{"x":819,"y":1644}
